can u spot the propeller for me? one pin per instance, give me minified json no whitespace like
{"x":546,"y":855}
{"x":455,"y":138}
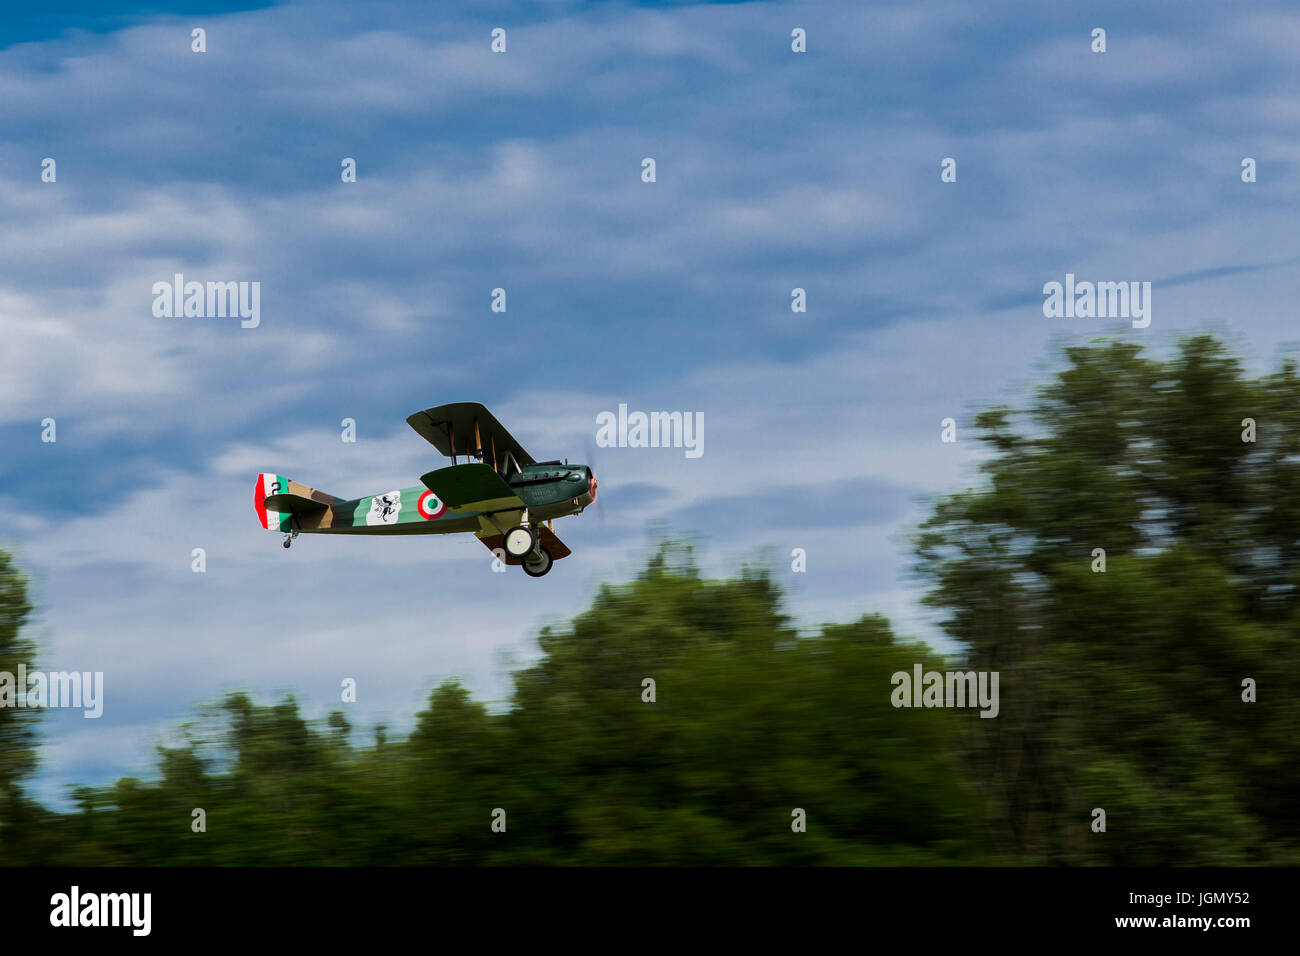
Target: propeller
{"x":591,"y":464}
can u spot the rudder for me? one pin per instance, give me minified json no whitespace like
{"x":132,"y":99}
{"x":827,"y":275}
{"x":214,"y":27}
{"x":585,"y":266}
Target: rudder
{"x":277,"y":499}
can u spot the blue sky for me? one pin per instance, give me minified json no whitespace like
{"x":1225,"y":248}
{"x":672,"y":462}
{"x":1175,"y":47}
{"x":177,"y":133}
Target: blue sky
{"x":522,"y":171}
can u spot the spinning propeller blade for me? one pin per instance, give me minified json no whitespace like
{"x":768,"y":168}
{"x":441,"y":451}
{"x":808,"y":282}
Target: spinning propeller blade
{"x":595,"y":499}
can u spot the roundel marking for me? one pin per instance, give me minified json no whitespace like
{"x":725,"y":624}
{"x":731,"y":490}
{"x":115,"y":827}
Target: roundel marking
{"x":430,"y":506}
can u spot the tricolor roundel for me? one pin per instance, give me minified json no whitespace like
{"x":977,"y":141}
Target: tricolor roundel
{"x":430,"y":506}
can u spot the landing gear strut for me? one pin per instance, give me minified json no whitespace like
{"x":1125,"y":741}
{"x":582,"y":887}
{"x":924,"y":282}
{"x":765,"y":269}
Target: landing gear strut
{"x":522,"y":544}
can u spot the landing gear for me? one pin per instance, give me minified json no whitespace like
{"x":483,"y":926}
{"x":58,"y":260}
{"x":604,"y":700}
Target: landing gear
{"x":522,"y":544}
{"x":520,"y":540}
{"x":538,"y":563}
{"x":288,"y":538}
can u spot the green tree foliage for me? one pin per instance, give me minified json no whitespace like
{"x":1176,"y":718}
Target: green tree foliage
{"x":19,"y":819}
{"x":750,"y":722}
{"x":1122,"y":689}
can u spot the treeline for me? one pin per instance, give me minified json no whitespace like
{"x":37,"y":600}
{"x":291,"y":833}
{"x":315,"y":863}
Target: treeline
{"x":749,"y":722}
{"x":1129,"y":566}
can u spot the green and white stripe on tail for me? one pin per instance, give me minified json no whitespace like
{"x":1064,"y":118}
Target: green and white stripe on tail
{"x":277,"y":499}
{"x":268,"y":485}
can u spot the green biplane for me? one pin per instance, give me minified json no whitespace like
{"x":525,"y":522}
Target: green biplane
{"x":499,"y":493}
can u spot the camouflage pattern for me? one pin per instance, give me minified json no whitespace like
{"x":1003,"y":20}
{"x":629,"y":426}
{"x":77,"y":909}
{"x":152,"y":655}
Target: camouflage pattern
{"x":484,"y":496}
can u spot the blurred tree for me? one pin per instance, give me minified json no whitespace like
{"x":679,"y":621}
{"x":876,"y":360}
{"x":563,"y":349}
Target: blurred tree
{"x":17,"y":732}
{"x":682,"y":720}
{"x":1122,"y":689}
{"x":751,"y":721}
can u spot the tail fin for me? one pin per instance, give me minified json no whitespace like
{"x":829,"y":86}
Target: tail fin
{"x":278,"y":498}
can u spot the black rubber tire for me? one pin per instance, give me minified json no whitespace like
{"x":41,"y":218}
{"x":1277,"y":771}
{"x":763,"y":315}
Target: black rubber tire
{"x":545,"y":568}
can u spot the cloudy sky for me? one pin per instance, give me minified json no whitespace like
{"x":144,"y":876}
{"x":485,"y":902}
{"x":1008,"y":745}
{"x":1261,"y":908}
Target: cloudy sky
{"x":522,"y":170}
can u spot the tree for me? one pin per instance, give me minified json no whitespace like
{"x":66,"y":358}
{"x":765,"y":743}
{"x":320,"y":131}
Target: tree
{"x":17,"y":733}
{"x":1121,"y":689}
{"x":752,"y":722}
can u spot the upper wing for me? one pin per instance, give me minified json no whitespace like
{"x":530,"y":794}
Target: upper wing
{"x":472,"y":487}
{"x":464,"y":428}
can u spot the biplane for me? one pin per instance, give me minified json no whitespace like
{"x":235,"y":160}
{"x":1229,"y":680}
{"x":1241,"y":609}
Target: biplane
{"x":500,"y":494}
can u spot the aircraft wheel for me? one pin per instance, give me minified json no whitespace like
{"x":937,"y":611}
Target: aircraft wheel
{"x":520,"y":541}
{"x":535,"y":566}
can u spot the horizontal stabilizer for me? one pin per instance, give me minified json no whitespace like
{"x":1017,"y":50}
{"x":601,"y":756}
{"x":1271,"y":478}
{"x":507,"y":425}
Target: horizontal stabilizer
{"x":276,"y":498}
{"x":472,"y":487}
{"x":293,"y":504}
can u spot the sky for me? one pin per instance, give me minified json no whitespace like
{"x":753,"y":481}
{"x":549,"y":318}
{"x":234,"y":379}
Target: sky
{"x":522,"y":170}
